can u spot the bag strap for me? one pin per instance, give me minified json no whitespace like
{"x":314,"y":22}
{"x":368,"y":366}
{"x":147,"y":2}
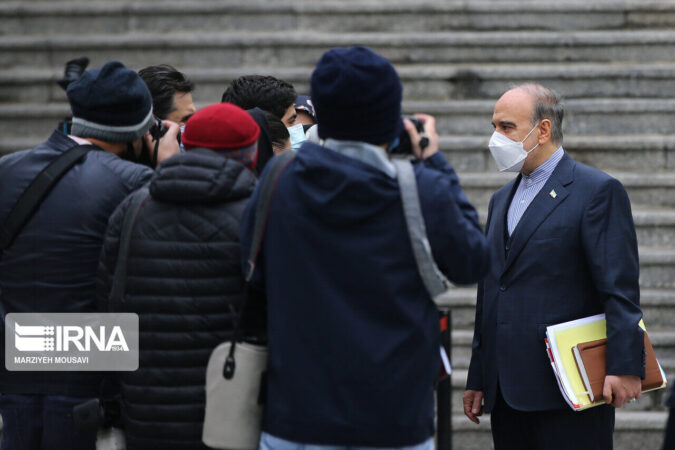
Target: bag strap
{"x":120,"y":277}
{"x":435,"y":282}
{"x":36,"y":192}
{"x":262,"y":210}
{"x":277,"y":167}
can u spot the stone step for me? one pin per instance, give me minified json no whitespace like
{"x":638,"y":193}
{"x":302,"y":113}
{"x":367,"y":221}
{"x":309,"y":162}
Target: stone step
{"x":459,"y":117}
{"x":303,"y":48}
{"x":582,"y":116}
{"x":639,"y":152}
{"x":422,"y":82}
{"x":663,"y":342}
{"x":649,"y":401}
{"x":649,"y":189}
{"x":658,"y":307}
{"x":643,"y":152}
{"x":328,"y":16}
{"x":634,"y":430}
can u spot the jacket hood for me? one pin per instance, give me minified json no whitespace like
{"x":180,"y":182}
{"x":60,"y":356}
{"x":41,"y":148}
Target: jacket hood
{"x":339,"y":189}
{"x":201,"y":176}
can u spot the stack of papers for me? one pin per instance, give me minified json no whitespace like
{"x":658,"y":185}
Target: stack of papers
{"x":560,"y":342}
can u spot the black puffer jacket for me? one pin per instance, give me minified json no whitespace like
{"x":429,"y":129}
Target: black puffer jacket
{"x":185,"y":283}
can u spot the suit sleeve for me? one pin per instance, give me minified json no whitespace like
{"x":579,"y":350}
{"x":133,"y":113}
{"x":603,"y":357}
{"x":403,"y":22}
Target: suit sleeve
{"x":474,"y":380}
{"x":457,"y":242}
{"x":610,"y":246}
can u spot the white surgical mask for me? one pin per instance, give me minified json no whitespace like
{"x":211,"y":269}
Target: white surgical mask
{"x":297,"y":134}
{"x":509,"y":154}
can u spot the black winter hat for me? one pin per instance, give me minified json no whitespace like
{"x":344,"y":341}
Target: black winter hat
{"x":357,"y":96}
{"x":112,"y":104}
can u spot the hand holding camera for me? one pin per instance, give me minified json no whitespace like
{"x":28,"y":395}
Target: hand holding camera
{"x":423,"y":136}
{"x":163,"y":139}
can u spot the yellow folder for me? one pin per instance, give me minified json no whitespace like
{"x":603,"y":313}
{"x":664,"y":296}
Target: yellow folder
{"x":560,"y":339}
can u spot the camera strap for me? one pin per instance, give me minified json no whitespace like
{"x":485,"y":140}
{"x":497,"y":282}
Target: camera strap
{"x":434,"y":280}
{"x":32,"y":197}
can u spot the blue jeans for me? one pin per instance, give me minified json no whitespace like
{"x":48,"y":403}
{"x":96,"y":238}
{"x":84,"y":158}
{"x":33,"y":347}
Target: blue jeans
{"x":39,"y":422}
{"x":269,"y":442}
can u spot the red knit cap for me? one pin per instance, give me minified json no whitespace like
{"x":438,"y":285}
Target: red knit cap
{"x":222,"y":126}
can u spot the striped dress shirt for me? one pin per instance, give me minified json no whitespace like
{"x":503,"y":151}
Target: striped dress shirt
{"x":529,"y":187}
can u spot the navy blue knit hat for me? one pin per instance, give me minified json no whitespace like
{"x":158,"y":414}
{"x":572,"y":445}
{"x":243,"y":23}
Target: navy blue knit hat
{"x":357,"y":96}
{"x":112,"y":104}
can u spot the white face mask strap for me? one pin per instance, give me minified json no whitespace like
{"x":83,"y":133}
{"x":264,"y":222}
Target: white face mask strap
{"x":528,"y":135}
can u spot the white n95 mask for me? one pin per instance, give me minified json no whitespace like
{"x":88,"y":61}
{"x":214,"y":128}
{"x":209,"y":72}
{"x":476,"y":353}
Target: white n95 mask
{"x":297,"y":134}
{"x":509,"y":154}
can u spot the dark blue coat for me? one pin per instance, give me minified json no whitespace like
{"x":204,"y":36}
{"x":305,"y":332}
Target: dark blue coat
{"x":572,"y":255}
{"x":51,"y":266}
{"x":353,"y":334}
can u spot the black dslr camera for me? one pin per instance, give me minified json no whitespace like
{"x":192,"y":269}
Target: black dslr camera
{"x":157,"y":130}
{"x":72,"y":72}
{"x":148,"y":156}
{"x":404,"y":146}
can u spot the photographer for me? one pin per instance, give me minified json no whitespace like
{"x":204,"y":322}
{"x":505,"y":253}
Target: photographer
{"x":354,"y":336}
{"x":50,"y":264}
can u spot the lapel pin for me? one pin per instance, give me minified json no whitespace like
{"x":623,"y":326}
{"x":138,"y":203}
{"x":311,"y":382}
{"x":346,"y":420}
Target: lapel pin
{"x":553,"y":194}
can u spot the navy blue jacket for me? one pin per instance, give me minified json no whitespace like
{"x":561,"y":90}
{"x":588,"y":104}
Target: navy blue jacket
{"x":572,"y":255}
{"x":51,"y":266}
{"x":353,"y":334}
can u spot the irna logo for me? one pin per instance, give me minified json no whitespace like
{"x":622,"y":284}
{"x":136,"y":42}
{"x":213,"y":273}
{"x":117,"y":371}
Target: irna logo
{"x":68,"y":338}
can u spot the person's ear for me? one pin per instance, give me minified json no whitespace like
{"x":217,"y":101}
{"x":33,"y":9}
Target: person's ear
{"x":544,"y":131}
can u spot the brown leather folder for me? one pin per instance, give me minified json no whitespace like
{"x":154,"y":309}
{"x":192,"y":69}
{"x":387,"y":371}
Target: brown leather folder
{"x":590,"y":357}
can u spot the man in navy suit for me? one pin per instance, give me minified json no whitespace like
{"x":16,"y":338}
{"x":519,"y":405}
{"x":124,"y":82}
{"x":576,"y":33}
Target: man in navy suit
{"x":562,"y":246}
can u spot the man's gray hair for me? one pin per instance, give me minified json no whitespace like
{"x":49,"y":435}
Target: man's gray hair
{"x":547,"y":105}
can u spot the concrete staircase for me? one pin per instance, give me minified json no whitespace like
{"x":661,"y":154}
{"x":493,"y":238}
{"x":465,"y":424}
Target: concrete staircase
{"x":611,"y":59}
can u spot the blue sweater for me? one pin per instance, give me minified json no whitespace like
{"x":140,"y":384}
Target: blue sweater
{"x":353,"y":334}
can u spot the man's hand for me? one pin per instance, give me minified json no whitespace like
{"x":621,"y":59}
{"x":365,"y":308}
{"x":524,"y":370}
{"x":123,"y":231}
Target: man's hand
{"x":473,"y":405}
{"x":168,"y":144}
{"x":621,"y":389}
{"x":431,"y":134}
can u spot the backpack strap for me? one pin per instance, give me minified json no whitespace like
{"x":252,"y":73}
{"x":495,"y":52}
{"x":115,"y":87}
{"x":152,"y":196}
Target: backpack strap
{"x":435,"y":282}
{"x":33,"y":196}
{"x":277,"y":166}
{"x":119,"y":283}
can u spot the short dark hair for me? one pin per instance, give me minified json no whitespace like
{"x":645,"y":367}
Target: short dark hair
{"x":265,"y":92}
{"x":278,"y":131}
{"x":164,"y":81}
{"x":547,"y":105}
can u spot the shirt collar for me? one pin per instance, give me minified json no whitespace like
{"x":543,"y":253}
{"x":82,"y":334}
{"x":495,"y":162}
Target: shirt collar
{"x":544,"y":171}
{"x":367,"y":153}
{"x":79,"y":140}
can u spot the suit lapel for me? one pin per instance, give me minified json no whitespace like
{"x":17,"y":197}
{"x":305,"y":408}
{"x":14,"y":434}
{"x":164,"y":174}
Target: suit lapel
{"x":497,"y":223}
{"x":498,"y":217}
{"x":547,"y":200}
